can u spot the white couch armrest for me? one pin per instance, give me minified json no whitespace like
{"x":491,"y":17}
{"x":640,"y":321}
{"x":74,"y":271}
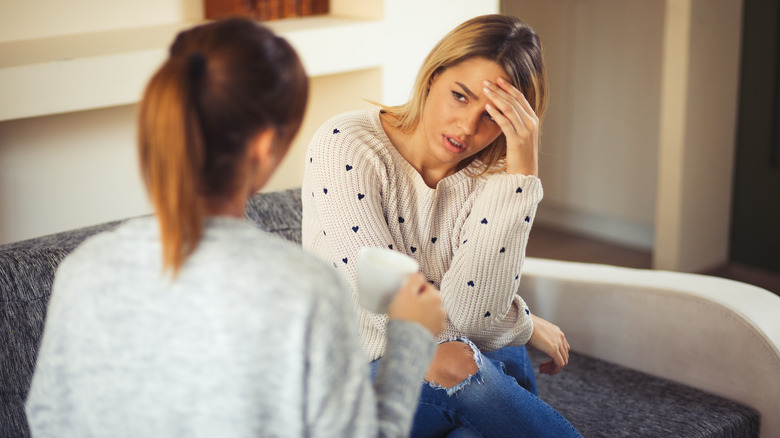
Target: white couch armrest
{"x":718,"y":335}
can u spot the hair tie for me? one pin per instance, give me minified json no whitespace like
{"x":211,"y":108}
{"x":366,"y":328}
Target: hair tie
{"x":197,"y":64}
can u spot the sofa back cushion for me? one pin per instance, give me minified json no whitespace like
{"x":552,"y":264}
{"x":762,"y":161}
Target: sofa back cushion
{"x":26,"y":275}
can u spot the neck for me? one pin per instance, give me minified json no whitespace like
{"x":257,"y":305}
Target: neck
{"x":431,"y":171}
{"x":226,"y":207}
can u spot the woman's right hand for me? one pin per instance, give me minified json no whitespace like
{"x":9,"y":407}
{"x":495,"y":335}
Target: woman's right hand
{"x":420,"y":302}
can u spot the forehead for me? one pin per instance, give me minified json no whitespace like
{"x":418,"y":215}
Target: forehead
{"x":474,"y":70}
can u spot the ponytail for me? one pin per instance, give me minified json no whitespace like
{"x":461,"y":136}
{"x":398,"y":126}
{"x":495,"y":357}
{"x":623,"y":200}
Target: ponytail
{"x":171,"y":156}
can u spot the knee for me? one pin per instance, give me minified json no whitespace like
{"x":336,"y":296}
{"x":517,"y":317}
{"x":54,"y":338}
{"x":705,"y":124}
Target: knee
{"x":453,"y":364}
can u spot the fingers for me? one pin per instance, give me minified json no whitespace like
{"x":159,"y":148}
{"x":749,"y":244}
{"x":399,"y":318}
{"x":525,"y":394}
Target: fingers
{"x":420,"y":302}
{"x":415,"y":284}
{"x":549,"y":339}
{"x":514,"y":114}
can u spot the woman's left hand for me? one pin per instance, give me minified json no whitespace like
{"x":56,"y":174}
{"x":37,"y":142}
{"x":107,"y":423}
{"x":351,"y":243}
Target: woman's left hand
{"x":520,"y":124}
{"x":550,"y":340}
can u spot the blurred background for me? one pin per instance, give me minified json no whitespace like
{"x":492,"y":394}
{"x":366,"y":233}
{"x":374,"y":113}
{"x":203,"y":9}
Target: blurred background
{"x":659,"y":148}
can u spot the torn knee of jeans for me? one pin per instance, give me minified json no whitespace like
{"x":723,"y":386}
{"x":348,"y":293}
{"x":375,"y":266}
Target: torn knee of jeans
{"x":467,"y":381}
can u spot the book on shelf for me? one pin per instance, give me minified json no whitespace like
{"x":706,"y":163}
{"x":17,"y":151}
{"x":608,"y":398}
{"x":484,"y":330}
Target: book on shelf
{"x":265,"y":10}
{"x":215,"y":9}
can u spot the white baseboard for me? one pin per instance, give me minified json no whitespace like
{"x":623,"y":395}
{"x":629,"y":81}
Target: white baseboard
{"x":603,"y":227}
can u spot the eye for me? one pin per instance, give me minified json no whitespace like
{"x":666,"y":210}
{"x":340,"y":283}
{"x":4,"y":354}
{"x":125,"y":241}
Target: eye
{"x":459,"y":97}
{"x":488,"y":117}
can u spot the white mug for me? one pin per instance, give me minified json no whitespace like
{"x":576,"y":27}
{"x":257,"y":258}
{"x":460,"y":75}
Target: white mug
{"x":380,"y":274}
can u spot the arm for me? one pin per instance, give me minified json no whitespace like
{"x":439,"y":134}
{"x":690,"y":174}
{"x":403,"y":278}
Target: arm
{"x":341,"y":400}
{"x":479,"y":289}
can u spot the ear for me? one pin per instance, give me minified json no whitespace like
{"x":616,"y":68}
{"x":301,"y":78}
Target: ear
{"x":261,"y":147}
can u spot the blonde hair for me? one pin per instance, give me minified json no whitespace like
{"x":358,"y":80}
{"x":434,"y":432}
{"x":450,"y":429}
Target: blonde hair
{"x":500,"y":38}
{"x":222,"y":84}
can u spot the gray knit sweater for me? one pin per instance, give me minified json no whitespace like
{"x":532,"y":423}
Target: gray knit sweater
{"x":253,"y":338}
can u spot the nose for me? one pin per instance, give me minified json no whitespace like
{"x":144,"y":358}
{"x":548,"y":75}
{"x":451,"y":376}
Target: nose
{"x":469,"y":122}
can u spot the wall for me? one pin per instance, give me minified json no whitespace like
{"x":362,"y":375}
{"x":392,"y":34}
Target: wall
{"x":20,"y":20}
{"x":65,"y":171}
{"x":702,"y":40}
{"x":639,"y":139}
{"x":600,"y":135}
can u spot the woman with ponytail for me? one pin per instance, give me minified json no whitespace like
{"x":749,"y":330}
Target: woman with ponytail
{"x":194,"y":323}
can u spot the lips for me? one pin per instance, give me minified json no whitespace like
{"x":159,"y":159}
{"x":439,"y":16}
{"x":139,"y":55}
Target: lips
{"x":454,"y":144}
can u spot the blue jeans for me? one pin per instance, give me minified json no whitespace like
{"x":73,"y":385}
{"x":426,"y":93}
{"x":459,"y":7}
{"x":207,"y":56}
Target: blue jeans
{"x":500,"y":400}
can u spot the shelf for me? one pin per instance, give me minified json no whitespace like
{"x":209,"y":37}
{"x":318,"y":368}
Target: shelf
{"x":88,"y":71}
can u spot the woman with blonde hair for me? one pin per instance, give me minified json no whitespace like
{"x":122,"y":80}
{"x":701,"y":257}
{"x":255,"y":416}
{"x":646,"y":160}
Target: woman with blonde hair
{"x":451,"y":179}
{"x":194,"y":323}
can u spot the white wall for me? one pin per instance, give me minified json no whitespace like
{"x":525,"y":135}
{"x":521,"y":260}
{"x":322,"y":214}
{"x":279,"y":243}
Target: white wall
{"x":28,"y":19}
{"x":698,"y":133}
{"x":66,"y":171}
{"x":600,"y":135}
{"x":639,"y":138}
{"x":60,"y":172}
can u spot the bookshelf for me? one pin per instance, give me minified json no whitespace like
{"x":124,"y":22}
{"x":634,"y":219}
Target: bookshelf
{"x":69,"y":73}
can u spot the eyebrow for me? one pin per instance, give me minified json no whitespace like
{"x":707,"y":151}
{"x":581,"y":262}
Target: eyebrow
{"x":467,"y":91}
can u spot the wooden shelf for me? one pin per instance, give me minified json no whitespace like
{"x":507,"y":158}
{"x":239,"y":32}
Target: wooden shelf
{"x":88,"y":71}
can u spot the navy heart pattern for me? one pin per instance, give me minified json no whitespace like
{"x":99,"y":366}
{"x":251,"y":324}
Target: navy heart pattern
{"x":325,"y":191}
{"x":349,"y":167}
{"x":361,"y":196}
{"x":390,"y":246}
{"x":400,"y":219}
{"x":345,"y":260}
{"x":527,"y":312}
{"x":413,"y":249}
{"x":528,"y":218}
{"x":519,"y":190}
{"x":309,"y":159}
{"x":484,"y":221}
{"x":470,"y":283}
{"x":433,"y":239}
{"x":487,"y":314}
{"x":516,"y":277}
{"x":355,"y":228}
{"x":503,"y":250}
{"x":324,"y":233}
{"x":465,"y":240}
{"x":336,"y":131}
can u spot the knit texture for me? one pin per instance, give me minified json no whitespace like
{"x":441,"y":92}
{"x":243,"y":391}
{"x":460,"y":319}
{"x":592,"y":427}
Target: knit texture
{"x":253,"y":338}
{"x":468,"y":234}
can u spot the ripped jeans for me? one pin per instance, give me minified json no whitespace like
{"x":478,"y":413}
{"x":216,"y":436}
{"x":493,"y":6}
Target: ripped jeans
{"x":500,"y":400}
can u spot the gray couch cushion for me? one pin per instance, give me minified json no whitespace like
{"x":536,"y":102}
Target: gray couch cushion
{"x":278,"y":212}
{"x":606,"y":400}
{"x":26,"y":274}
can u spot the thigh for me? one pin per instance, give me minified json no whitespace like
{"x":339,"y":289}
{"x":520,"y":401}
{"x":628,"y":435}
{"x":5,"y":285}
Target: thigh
{"x":516,"y":364}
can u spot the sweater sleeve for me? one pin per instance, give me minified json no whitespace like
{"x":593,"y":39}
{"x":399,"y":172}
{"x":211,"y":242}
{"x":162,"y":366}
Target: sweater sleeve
{"x":341,"y":400}
{"x":479,"y":288}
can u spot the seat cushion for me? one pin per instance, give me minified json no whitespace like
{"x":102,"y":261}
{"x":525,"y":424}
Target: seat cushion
{"x":606,"y":400}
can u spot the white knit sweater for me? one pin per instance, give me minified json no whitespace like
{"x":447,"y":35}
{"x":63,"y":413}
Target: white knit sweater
{"x":468,"y":234}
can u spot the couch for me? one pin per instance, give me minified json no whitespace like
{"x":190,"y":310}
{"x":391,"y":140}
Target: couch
{"x":655,"y":354}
